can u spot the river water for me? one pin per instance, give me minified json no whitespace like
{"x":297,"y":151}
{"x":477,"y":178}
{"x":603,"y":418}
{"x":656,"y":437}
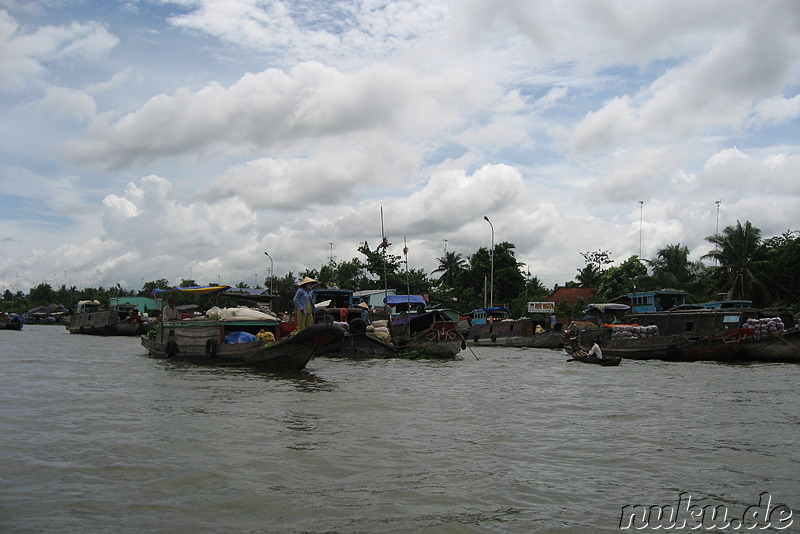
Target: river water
{"x":96,"y":436}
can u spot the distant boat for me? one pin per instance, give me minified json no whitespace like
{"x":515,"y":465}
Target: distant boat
{"x":237,"y":336}
{"x":425,"y":333}
{"x":494,"y":327}
{"x":715,"y":332}
{"x":611,"y":361}
{"x":771,"y":341}
{"x":10,"y":322}
{"x":114,"y":320}
{"x":223,"y":343}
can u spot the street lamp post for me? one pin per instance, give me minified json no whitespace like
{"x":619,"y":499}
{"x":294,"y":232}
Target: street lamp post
{"x":641,"y":208}
{"x":491,"y":275}
{"x":270,"y":273}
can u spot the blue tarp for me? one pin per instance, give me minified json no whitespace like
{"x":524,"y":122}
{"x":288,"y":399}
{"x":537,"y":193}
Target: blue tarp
{"x":239,"y":337}
{"x":492,"y":311}
{"x":394,"y":300}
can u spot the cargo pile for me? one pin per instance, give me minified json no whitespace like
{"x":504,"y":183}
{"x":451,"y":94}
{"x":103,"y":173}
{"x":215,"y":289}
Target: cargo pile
{"x":765,"y":327}
{"x":625,"y":331}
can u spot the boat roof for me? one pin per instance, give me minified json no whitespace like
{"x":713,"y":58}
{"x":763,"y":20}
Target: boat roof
{"x":607,"y":306}
{"x":197,"y":290}
{"x":394,"y":300}
{"x":495,"y":310}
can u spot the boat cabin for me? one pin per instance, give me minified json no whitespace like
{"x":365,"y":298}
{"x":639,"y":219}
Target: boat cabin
{"x":405,"y":305}
{"x":653,"y":301}
{"x":728,"y":304}
{"x":481,"y":316}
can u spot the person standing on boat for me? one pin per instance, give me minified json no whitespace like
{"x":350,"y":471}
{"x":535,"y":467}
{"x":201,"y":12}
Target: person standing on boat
{"x":365,"y":312}
{"x":170,"y":312}
{"x":304,"y":301}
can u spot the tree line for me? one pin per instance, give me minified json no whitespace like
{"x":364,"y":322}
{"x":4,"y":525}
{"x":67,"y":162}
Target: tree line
{"x":741,"y":265}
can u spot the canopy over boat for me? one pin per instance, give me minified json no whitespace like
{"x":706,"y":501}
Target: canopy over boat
{"x":196,"y":290}
{"x":494,"y":311}
{"x":606,"y":307}
{"x":394,"y":300}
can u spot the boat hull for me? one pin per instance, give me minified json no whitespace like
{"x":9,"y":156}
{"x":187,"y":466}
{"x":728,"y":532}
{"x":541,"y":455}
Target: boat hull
{"x":781,"y":346}
{"x":12,"y":324}
{"x":426,"y":337}
{"x":200,"y":344}
{"x":605,"y":362}
{"x":519,"y":334}
{"x":676,"y":347}
{"x":106,"y":323}
{"x":362,"y":346}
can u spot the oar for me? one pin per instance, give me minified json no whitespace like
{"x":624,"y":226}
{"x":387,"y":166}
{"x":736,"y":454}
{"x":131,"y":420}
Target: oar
{"x":464,"y":341}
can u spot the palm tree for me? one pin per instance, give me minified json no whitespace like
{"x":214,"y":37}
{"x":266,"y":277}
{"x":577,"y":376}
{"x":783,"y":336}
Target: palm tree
{"x":450,"y":265}
{"x":741,"y":268}
{"x":672,"y":268}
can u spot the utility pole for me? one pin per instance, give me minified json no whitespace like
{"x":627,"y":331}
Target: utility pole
{"x":491,"y":256}
{"x":270,"y":273}
{"x":641,"y":209}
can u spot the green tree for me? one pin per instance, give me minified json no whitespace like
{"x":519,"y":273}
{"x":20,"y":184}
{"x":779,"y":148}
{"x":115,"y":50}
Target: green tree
{"x":450,"y":266}
{"x":783,"y":253}
{"x":741,"y":269}
{"x":476,"y":283}
{"x":617,"y":281}
{"x":379,"y":262}
{"x":671,"y":266}
{"x":596,"y":265}
{"x":41,"y":295}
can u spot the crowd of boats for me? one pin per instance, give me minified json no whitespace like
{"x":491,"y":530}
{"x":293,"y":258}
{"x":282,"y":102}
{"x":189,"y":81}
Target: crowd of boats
{"x":638,"y":326}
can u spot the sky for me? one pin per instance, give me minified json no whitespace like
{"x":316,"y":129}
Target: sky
{"x":182,"y":139}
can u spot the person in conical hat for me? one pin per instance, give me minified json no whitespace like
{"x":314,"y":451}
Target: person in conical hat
{"x":365,"y":312}
{"x":304,"y":300}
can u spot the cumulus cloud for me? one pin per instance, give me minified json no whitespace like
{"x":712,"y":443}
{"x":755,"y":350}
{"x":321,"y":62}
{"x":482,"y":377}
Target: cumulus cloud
{"x":26,"y":55}
{"x":273,"y":109}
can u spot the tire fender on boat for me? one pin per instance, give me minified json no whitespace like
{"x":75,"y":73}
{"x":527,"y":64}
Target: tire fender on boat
{"x":476,"y":338}
{"x":211,"y":348}
{"x":171,"y":349}
{"x":494,"y":338}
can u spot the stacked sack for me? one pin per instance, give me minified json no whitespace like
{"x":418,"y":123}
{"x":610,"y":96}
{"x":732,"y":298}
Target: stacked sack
{"x":380,"y":329}
{"x":765,"y":327}
{"x":625,"y":331}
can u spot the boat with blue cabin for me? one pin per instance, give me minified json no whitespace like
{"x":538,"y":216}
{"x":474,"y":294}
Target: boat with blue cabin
{"x":633,"y":327}
{"x":494,"y":326}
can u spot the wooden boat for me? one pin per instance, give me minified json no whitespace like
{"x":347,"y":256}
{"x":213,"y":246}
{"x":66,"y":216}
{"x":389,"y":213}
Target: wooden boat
{"x":431,"y":334}
{"x":677,"y":347}
{"x":607,"y":362}
{"x":204,"y":342}
{"x":716,"y":332}
{"x":579,"y":353}
{"x":779,"y":346}
{"x":493,"y":327}
{"x":363,"y":346}
{"x":115,"y":320}
{"x":236,"y":336}
{"x":10,"y":322}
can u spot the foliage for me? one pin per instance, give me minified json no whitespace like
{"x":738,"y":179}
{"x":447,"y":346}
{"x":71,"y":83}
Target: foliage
{"x":596,"y":263}
{"x":783,"y":253}
{"x":620,"y":280}
{"x":450,"y":266}
{"x":742,"y":268}
{"x":379,"y":263}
